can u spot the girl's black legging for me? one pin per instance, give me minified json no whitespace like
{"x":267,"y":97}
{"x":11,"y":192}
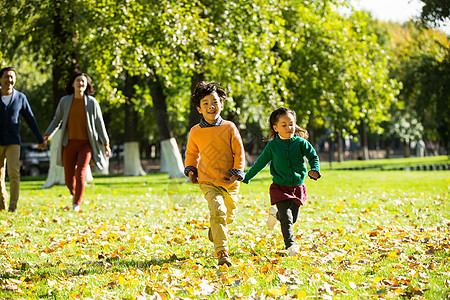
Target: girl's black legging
{"x":287,"y":214}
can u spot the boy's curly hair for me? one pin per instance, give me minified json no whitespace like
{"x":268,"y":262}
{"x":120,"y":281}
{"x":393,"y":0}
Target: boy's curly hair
{"x":204,"y":88}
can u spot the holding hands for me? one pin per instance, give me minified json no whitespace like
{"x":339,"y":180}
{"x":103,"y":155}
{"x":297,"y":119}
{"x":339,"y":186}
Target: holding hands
{"x":42,"y":146}
{"x":230,"y":181}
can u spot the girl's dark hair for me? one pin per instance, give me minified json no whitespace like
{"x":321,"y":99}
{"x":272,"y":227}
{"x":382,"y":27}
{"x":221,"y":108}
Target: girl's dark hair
{"x":89,"y":89}
{"x":203,"y":89}
{"x":275,"y":116}
{"x":6,"y":70}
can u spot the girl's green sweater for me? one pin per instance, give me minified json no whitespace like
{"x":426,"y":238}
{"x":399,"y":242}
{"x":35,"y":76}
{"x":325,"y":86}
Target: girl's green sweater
{"x":287,"y":158}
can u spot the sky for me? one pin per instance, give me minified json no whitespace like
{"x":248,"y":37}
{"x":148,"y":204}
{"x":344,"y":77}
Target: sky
{"x":394,"y":10}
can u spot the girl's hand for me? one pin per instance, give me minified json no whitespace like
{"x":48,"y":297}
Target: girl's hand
{"x":192,"y":177}
{"x":313,"y":174}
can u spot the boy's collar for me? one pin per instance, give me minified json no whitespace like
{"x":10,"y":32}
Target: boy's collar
{"x":217,"y":122}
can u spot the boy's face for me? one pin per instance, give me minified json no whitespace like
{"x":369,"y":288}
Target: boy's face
{"x":210,"y":107}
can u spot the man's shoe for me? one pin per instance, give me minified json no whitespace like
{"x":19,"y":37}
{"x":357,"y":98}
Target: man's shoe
{"x":272,"y":219}
{"x":224,"y":259}
{"x":210,"y":236}
{"x":76,"y":208}
{"x":292,"y":250}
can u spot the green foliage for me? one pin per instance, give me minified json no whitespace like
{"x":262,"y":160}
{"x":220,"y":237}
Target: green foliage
{"x":435,"y":11}
{"x":335,"y":69}
{"x":338,"y":70}
{"x":420,"y":61}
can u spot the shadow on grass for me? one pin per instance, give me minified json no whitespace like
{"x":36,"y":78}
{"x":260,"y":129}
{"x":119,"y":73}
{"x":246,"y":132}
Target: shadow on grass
{"x":27,"y":272}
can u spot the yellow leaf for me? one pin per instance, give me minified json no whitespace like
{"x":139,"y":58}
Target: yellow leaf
{"x":121,"y":280}
{"x":277,"y":292}
{"x":392,"y":254}
{"x":270,"y":278}
{"x":301,"y":295}
{"x":377,"y":279}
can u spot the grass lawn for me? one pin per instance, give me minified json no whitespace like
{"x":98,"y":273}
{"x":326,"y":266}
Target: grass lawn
{"x":367,"y":234}
{"x":387,"y":164}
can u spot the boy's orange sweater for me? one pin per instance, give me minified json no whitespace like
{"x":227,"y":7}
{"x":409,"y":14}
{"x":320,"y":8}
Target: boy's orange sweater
{"x":214,"y":151}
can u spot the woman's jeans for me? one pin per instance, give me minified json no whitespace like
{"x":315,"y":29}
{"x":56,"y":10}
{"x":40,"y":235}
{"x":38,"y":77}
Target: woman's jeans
{"x":76,"y":157}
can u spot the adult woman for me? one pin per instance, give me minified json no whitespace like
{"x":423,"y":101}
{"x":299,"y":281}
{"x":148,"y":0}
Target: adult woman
{"x":83,"y":134}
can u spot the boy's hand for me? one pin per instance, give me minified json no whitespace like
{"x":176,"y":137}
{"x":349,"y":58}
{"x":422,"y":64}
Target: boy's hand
{"x":230,"y":181}
{"x":313,"y":174}
{"x":192,"y":177}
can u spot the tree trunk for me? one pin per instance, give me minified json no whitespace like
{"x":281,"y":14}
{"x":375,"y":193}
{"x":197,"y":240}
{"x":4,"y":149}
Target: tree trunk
{"x":340,"y":151}
{"x":170,"y":153}
{"x":309,"y":128}
{"x":64,"y":64}
{"x":388,"y":148}
{"x":194,"y":116}
{"x":172,"y":157}
{"x":364,"y":141}
{"x":132,"y":164}
{"x":406,"y":149}
{"x":132,"y":156}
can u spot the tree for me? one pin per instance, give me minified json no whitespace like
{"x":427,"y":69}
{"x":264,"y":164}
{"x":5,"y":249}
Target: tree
{"x":54,"y":42}
{"x":339,"y":76}
{"x":132,"y":162}
{"x":435,"y":11}
{"x":420,"y":61}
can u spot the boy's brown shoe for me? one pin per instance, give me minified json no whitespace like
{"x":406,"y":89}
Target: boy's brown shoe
{"x":224,"y":259}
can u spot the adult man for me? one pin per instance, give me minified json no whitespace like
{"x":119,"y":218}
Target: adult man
{"x":13,"y":104}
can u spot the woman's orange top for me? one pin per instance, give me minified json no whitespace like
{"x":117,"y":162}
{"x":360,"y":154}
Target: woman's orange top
{"x":77,"y":122}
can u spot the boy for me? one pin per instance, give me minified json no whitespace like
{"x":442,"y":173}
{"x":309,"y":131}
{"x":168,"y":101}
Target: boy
{"x":215,"y":160}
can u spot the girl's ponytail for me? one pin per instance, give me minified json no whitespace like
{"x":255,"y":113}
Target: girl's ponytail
{"x":301,"y":132}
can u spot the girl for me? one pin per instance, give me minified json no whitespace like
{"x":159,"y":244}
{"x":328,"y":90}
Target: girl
{"x":83,"y":134}
{"x":286,"y":151}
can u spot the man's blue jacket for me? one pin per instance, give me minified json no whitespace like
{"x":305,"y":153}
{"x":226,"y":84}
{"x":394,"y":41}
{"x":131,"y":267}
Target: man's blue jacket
{"x":9,"y":119}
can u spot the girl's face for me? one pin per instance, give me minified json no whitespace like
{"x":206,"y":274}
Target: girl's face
{"x":285,"y":126}
{"x":80,"y":84}
{"x":210,"y":107}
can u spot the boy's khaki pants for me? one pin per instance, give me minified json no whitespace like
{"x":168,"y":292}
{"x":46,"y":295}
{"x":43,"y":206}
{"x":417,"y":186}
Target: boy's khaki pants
{"x":9,"y":158}
{"x":222,"y":209}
